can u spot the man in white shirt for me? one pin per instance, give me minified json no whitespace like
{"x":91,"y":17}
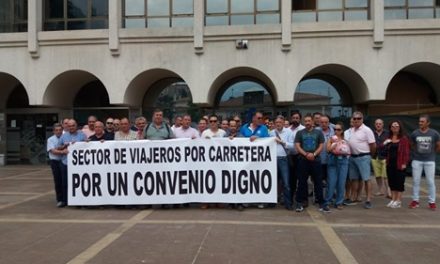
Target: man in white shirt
{"x":362,"y":143}
{"x":296,"y":126}
{"x":213,"y":129}
{"x":284,"y":139}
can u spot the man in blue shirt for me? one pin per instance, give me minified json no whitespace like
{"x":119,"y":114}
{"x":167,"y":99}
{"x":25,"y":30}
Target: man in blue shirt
{"x":73,"y":135}
{"x":55,"y":160}
{"x":256,"y":128}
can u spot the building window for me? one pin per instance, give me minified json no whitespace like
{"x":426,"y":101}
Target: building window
{"x":242,"y":12}
{"x":13,"y":16}
{"x":412,"y":9}
{"x":75,"y":14}
{"x":157,"y":13}
{"x":330,"y":10}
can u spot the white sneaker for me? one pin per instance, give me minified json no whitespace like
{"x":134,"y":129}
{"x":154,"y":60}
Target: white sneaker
{"x":390,"y":204}
{"x":396,"y":204}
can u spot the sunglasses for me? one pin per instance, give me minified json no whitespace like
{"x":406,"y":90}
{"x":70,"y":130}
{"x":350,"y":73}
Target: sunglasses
{"x":237,"y":120}
{"x":357,"y":118}
{"x":212,"y":121}
{"x":395,"y":126}
{"x":338,"y":129}
{"x":109,"y":123}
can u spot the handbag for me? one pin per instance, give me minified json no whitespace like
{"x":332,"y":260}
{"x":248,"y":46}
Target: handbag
{"x":341,"y":149}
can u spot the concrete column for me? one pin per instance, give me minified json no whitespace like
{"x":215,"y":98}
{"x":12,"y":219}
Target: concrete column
{"x":377,"y":13}
{"x":286,"y":25}
{"x":35,"y":21}
{"x":114,"y":23}
{"x":199,"y":13}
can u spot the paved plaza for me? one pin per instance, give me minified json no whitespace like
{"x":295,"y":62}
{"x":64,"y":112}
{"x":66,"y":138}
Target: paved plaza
{"x":34,"y":230}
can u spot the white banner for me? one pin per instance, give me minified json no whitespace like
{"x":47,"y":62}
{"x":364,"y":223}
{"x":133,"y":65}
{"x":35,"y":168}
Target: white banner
{"x":172,"y":171}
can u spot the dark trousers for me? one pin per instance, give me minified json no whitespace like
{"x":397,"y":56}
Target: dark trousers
{"x":55,"y":165}
{"x":293,"y":165}
{"x":324,"y":172}
{"x":64,"y":183}
{"x":314,"y":169}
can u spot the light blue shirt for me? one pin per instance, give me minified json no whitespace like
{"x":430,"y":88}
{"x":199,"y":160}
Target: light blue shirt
{"x":52,"y":143}
{"x":327,"y":135}
{"x":286,"y":135}
{"x":68,"y":138}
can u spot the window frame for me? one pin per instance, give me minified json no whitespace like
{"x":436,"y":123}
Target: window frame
{"x":65,"y":20}
{"x":14,"y":24}
{"x":406,"y":7}
{"x":229,"y":13}
{"x":343,"y":9}
{"x":170,"y":16}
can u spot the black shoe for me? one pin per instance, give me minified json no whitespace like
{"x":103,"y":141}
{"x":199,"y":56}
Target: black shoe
{"x":166,"y":206}
{"x":325,"y":209}
{"x":61,"y":205}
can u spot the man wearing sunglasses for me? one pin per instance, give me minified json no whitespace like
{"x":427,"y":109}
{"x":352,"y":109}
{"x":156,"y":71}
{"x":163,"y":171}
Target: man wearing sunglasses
{"x":256,"y":128}
{"x":362,"y":143}
{"x":213,"y":129}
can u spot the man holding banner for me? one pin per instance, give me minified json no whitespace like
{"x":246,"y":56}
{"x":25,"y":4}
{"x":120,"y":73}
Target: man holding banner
{"x":283,"y":137}
{"x":68,"y":138}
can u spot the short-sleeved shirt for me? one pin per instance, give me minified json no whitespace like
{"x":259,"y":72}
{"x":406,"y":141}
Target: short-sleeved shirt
{"x":68,"y":138}
{"x":158,"y":133}
{"x":261,"y":131}
{"x":190,"y":132}
{"x":131,"y":135}
{"x":52,"y":143}
{"x":425,"y":144}
{"x":309,"y":140}
{"x":360,"y":139}
{"x":208,"y":133}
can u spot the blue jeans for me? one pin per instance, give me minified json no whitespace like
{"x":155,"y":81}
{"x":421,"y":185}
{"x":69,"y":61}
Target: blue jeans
{"x":429,"y":168}
{"x":283,"y":173}
{"x":314,"y":169}
{"x":337,"y":168}
{"x":55,"y":165}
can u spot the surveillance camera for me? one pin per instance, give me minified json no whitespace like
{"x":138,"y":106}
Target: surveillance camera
{"x":241,"y":44}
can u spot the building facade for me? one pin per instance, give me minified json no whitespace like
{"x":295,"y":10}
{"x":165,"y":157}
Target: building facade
{"x":64,"y":58}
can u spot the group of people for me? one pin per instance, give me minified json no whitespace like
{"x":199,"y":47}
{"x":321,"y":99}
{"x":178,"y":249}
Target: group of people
{"x":337,"y":160}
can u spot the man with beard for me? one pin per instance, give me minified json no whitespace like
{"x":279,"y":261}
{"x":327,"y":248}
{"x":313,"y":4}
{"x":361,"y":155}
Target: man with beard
{"x":309,"y":144}
{"x":293,"y":153}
